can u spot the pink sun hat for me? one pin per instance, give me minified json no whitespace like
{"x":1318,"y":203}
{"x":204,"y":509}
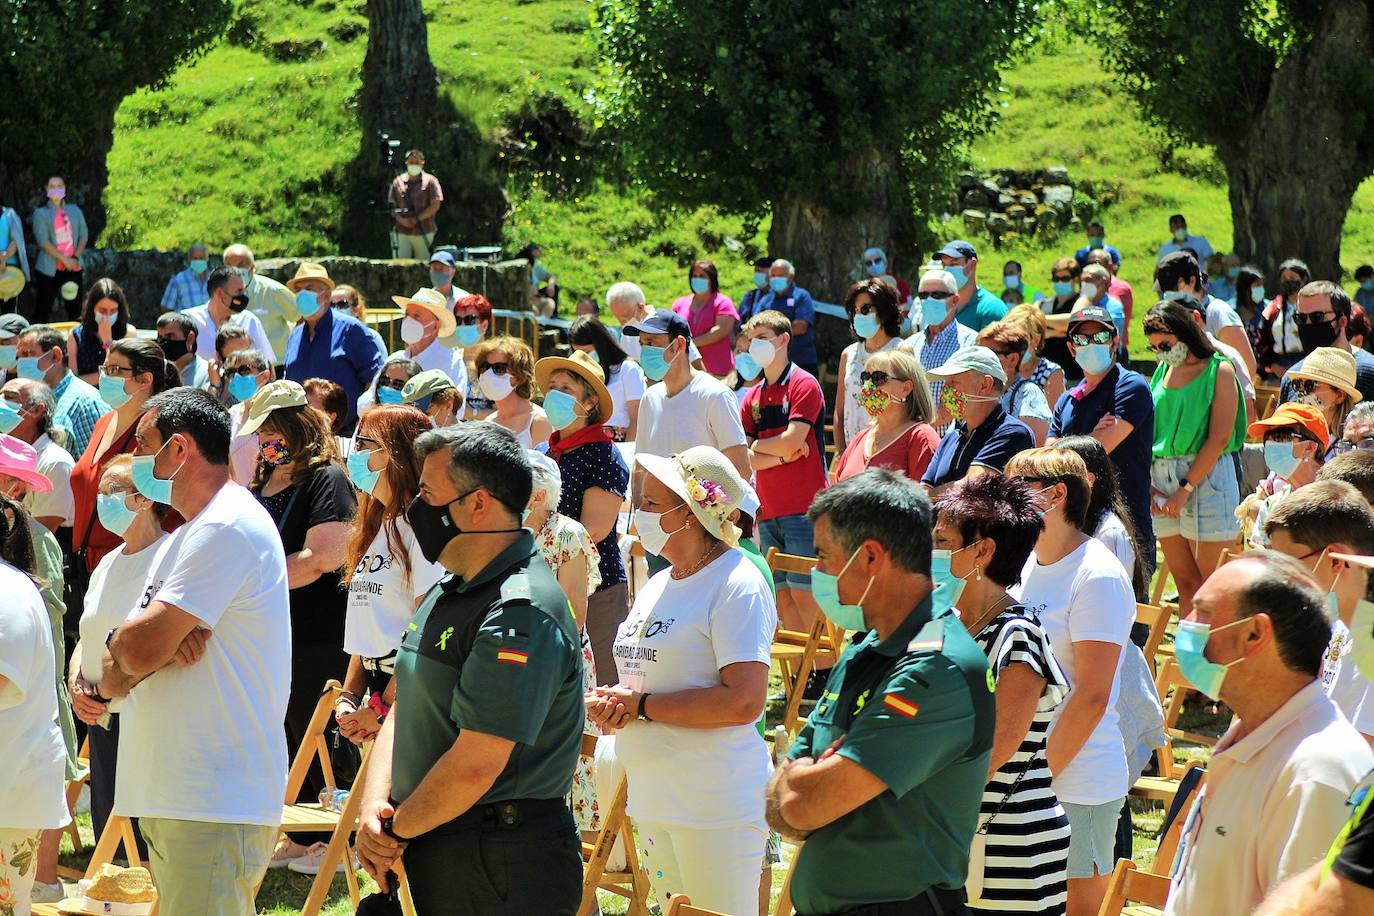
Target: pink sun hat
{"x":18,"y":459}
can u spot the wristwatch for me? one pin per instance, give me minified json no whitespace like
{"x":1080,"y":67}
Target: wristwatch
{"x":389,"y":829}
{"x":1188,"y":485}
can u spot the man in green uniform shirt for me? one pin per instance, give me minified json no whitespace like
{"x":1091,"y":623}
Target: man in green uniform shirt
{"x":885,"y":779}
{"x":470,"y":770}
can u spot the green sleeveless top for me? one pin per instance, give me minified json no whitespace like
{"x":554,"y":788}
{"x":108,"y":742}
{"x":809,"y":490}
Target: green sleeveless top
{"x":1182,"y":415}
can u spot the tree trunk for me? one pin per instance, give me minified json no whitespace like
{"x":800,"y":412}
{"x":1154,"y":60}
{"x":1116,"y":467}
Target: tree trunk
{"x":400,"y":90}
{"x":1292,"y":179}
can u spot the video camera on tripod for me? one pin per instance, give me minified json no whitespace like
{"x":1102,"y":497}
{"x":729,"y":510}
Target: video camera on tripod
{"x":387,"y":147}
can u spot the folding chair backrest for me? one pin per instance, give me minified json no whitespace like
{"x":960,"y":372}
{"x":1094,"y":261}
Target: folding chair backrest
{"x":681,"y":905}
{"x":1177,"y":815}
{"x":1130,"y":884}
{"x":1157,"y":619}
{"x":789,"y":562}
{"x":1161,"y":579}
{"x":633,"y":883}
{"x":314,"y":746}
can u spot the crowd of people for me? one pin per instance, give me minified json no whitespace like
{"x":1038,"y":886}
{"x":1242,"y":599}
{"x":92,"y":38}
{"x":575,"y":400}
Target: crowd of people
{"x":199,"y":529}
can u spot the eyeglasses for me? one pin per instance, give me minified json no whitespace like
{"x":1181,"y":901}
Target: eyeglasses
{"x":1062,"y":278}
{"x":110,"y":369}
{"x":1307,"y":385}
{"x":1006,"y":352}
{"x":340,"y":304}
{"x":496,"y":368}
{"x":867,"y":308}
{"x":467,"y":319}
{"x":1286,"y":436}
{"x":385,"y":382}
{"x":939,"y":294}
{"x":1363,"y":444}
{"x":877,"y":377}
{"x":871,"y":261}
{"x":244,"y":370}
{"x":1159,"y":348}
{"x":1314,"y":317}
{"x":1098,"y":337}
{"x":359,"y":441}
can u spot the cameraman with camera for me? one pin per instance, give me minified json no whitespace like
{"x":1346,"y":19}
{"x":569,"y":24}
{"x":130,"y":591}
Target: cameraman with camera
{"x":414,"y":198}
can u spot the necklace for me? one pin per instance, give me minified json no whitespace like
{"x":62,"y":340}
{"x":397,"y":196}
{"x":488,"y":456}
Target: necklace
{"x":988,"y":614}
{"x":696,"y":567}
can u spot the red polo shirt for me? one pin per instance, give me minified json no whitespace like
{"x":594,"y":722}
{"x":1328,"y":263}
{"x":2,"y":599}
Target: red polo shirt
{"x":767,"y":410}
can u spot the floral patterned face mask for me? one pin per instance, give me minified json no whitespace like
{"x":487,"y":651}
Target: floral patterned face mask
{"x":873,"y":398}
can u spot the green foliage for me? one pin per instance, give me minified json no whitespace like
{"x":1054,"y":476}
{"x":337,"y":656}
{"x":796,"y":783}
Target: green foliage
{"x":731,"y":102}
{"x":67,"y":64}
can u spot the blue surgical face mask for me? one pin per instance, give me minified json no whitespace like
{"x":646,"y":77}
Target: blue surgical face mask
{"x":933,"y":311}
{"x":1189,"y":643}
{"x":1011,"y":281}
{"x":114,"y":515}
{"x":1174,"y":295}
{"x":1094,"y":358}
{"x":779,"y":284}
{"x":1279,"y":458}
{"x":146,"y":481}
{"x":1257,"y":294}
{"x":10,"y":416}
{"x":866,"y":325}
{"x":1367,"y":285}
{"x":198,"y":265}
{"x":947,"y":586}
{"x":1095,"y":241}
{"x":388,"y":395}
{"x":439,"y":278}
{"x":29,"y":368}
{"x":1232,"y":273}
{"x":1063,"y":288}
{"x":652,"y":362}
{"x":243,"y":387}
{"x":561,"y":409}
{"x":760,"y":279}
{"x":746,"y":367}
{"x":9,"y":356}
{"x":363,"y":477}
{"x":960,"y":277}
{"x":112,"y":390}
{"x":825,"y":588}
{"x":307,"y":303}
{"x":700,"y":285}
{"x":877,"y":268}
{"x":467,"y":335}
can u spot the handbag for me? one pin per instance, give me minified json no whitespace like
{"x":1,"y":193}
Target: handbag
{"x":977,"y":853}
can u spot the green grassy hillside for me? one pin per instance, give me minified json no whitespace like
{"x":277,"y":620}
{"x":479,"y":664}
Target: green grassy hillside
{"x":253,"y":140}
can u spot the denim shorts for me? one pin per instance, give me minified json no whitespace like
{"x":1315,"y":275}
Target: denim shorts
{"x":1092,"y":837}
{"x":790,"y":534}
{"x":1209,"y":515}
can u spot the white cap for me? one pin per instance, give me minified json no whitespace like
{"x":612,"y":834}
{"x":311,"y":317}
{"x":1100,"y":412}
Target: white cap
{"x":972,"y":359}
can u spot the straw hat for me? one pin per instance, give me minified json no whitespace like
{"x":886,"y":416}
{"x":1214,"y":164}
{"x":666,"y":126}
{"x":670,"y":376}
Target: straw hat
{"x":114,"y":890}
{"x":305,"y":273}
{"x":18,"y":459}
{"x":585,"y":368}
{"x":706,"y":481}
{"x":11,"y":282}
{"x":434,"y":302}
{"x":1330,"y":366}
{"x":272,"y":396}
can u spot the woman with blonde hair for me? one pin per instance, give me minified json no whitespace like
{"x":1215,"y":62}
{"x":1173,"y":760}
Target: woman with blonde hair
{"x":505,"y":376}
{"x":346,"y":298}
{"x":1045,"y":372}
{"x":894,"y":394}
{"x":1326,"y":379}
{"x":1083,"y":598}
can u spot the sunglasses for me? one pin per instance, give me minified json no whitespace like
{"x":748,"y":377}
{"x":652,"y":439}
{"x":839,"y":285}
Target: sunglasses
{"x":877,"y":377}
{"x":871,"y":261}
{"x":1159,"y":348}
{"x":340,"y":304}
{"x":941,"y":295}
{"x":867,"y":308}
{"x":466,"y":319}
{"x":496,"y":368}
{"x":1306,"y":385}
{"x":1062,"y":278}
{"x":1311,"y":318}
{"x":1085,"y":340}
{"x":360,"y":441}
{"x":1006,"y":352}
{"x":243,"y":370}
{"x":390,"y":383}
{"x":1287,"y":435}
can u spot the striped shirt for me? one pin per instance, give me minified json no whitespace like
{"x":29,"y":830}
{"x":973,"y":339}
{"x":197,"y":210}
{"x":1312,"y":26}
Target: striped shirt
{"x":1026,"y":858}
{"x":185,"y":290}
{"x":79,"y":405}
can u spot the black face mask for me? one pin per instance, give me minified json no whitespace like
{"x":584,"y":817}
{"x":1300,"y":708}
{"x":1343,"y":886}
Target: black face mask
{"x":238,"y":303}
{"x":1290,"y":288}
{"x":434,"y":528}
{"x":172,"y":349}
{"x":1316,"y":335}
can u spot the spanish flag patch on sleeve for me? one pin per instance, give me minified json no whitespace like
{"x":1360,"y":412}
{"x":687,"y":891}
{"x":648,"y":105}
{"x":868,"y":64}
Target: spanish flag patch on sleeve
{"x":512,"y":656}
{"x":901,"y":706}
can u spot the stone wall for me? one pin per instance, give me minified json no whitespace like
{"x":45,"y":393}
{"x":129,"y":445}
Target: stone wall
{"x":143,"y":275}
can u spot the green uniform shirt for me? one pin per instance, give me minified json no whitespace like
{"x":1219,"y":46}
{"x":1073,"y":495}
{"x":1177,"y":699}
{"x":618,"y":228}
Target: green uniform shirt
{"x":500,"y":655}
{"x":917,"y":711}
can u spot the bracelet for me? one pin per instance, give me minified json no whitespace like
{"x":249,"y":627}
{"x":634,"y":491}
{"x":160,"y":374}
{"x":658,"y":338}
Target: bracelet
{"x":388,"y":827}
{"x":95,"y":695}
{"x":1188,"y":485}
{"x":644,"y":701}
{"x":356,"y":698}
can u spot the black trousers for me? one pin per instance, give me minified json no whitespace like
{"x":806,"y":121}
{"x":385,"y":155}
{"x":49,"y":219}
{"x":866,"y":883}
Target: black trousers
{"x":311,"y":666}
{"x":534,"y":866}
{"x":104,"y":764}
{"x":48,"y":294}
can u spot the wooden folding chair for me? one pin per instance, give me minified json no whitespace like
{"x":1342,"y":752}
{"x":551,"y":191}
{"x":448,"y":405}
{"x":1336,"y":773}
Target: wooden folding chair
{"x":795,"y":652}
{"x":1266,"y":400}
{"x":632,"y":883}
{"x":784,"y":905}
{"x":1157,"y":619}
{"x":1157,"y":590}
{"x":309,"y":817}
{"x":403,"y":888}
{"x":119,"y":831}
{"x":1170,"y":683}
{"x":682,"y":906}
{"x":1172,"y":834}
{"x":83,"y":760}
{"x":1130,"y":883}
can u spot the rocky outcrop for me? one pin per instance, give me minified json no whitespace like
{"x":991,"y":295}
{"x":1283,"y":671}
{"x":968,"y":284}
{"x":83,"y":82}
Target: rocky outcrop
{"x":1007,"y":203}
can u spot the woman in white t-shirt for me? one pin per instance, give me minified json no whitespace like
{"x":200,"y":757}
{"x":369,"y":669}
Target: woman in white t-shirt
{"x":1078,"y":589}
{"x":693,"y":659}
{"x":1108,"y":520}
{"x":116,"y":584}
{"x":624,"y":378}
{"x":385,"y":573}
{"x":35,"y":759}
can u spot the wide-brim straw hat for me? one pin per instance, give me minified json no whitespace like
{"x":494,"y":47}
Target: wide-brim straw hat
{"x":1330,"y":366}
{"x":585,"y":368}
{"x":114,"y":891}
{"x":706,"y":481}
{"x":11,"y":282}
{"x":305,"y":273}
{"x":434,"y":302}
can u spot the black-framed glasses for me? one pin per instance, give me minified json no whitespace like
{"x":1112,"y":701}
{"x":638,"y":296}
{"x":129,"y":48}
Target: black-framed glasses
{"x":359,"y":441}
{"x":869,"y":262}
{"x":1305,"y":385}
{"x":1314,"y":317}
{"x":467,"y":319}
{"x":1285,"y":436}
{"x":1062,"y":278}
{"x":340,"y":304}
{"x":244,"y":370}
{"x":496,"y":368}
{"x":1087,"y":340}
{"x":877,"y":377}
{"x":1363,"y":444}
{"x":868,"y":308}
{"x":110,"y":369}
{"x":941,"y":295}
{"x":1159,"y":348}
{"x":1006,"y":352}
{"x":385,"y":382}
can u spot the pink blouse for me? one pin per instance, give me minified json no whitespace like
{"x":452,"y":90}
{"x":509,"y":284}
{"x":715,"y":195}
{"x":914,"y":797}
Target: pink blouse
{"x":718,"y":357}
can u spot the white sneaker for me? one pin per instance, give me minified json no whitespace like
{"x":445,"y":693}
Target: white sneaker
{"x":47,"y":893}
{"x":286,"y":852}
{"x":309,"y":864}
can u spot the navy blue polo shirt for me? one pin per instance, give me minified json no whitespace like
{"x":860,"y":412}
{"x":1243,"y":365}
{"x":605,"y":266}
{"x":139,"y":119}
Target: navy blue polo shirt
{"x":1125,"y":395}
{"x":992,"y":444}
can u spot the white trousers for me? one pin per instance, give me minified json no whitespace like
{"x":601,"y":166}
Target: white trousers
{"x":717,"y":868}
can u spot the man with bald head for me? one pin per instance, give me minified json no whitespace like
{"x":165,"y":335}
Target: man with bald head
{"x":1278,"y":780}
{"x":187,"y":289}
{"x":270,"y":301}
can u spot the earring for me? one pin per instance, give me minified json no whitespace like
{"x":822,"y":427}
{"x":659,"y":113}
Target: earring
{"x":977,"y":574}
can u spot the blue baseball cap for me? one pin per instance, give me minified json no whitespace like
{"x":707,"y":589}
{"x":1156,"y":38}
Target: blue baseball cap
{"x":958,"y":249}
{"x":660,"y":321}
{"x":442,"y":257}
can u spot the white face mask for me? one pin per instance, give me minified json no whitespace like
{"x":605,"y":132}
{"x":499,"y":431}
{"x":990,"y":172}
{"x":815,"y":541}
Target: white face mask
{"x":764,"y":352}
{"x":411,"y":330}
{"x":495,"y":387}
{"x":1089,"y":290}
{"x":649,"y":526}
{"x":414,"y":169}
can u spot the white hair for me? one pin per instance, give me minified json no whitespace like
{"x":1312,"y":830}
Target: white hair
{"x":941,"y":276}
{"x":785,"y":265}
{"x":551,"y":485}
{"x":1096,"y":270}
{"x":624,"y":293}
